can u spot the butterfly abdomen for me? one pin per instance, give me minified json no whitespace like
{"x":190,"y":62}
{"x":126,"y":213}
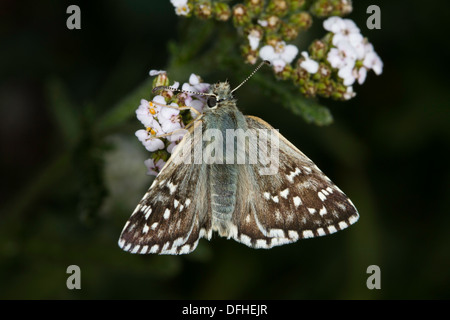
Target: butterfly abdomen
{"x":223,"y":196}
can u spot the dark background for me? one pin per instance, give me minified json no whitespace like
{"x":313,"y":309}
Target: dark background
{"x":71,"y":175}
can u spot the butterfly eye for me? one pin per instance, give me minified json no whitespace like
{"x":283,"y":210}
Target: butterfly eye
{"x":211,"y":101}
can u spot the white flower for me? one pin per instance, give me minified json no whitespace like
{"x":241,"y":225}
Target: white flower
{"x":175,"y":85}
{"x":195,"y":85}
{"x":170,"y":119}
{"x":333,"y":24}
{"x":360,"y":74}
{"x":156,"y":72}
{"x":181,"y":7}
{"x":263,"y":23}
{"x":351,"y":46}
{"x":349,"y":93}
{"x":346,"y":73}
{"x":346,"y":54}
{"x":194,"y":79}
{"x":253,"y":38}
{"x":143,"y":113}
{"x":171,"y":147}
{"x":197,"y":105}
{"x":150,"y":143}
{"x":342,"y":26}
{"x":148,"y":111}
{"x":279,"y":56}
{"x":154,"y":168}
{"x":308,"y":64}
{"x":373,"y":61}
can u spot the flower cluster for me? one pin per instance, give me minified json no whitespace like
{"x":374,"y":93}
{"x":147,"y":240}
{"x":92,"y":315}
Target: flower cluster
{"x":166,"y":115}
{"x":342,"y":57}
{"x":351,"y":53}
{"x":329,"y":68}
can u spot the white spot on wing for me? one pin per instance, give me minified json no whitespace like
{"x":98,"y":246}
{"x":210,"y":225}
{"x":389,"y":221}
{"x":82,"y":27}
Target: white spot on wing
{"x":297,"y":201}
{"x":321,"y":196}
{"x":284,"y":193}
{"x":185,"y":249}
{"x":312,"y":210}
{"x":321,"y":232}
{"x":353,"y":219}
{"x":145,"y":229}
{"x":148,"y":213}
{"x":342,"y":225}
{"x":135,"y":249}
{"x":307,"y":169}
{"x":308,"y":234}
{"x":278,"y":233}
{"x":293,"y":234}
{"x":165,"y":246}
{"x":293,"y":174}
{"x":172,"y":187}
{"x":166,"y":214}
{"x":261,"y":243}
{"x":323,"y":211}
{"x":246,"y":240}
{"x":144,"y":249}
{"x":332,"y":229}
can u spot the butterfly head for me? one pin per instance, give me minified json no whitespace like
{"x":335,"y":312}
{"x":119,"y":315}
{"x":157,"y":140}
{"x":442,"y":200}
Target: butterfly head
{"x":219,"y":92}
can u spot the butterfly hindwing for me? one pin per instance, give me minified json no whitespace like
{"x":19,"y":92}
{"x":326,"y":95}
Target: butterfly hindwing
{"x":297,"y":202}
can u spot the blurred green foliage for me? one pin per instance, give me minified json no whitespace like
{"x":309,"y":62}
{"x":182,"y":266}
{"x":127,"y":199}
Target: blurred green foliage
{"x":73,"y":170}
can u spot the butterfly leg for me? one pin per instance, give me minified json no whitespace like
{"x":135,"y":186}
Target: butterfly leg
{"x":178,"y":108}
{"x":177,"y":130}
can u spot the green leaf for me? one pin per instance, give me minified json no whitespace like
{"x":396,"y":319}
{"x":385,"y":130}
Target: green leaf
{"x":125,"y":109}
{"x":308,"y":109}
{"x":62,"y":110}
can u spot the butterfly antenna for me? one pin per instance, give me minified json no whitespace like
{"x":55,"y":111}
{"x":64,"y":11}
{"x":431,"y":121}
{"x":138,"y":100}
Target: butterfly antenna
{"x":251,"y":74}
{"x":177,"y":90}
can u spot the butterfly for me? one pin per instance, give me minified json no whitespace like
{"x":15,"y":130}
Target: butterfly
{"x":190,"y":199}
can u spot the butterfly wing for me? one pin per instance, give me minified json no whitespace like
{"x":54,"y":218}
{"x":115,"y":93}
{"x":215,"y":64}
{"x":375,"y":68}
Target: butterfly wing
{"x":174,"y":213}
{"x":297,"y":202}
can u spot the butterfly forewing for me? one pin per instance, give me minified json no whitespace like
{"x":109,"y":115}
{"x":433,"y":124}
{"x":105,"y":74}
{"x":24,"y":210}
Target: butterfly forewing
{"x":297,"y":202}
{"x":170,"y":218}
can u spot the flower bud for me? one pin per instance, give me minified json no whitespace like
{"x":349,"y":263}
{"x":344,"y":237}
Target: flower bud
{"x":203,"y":9}
{"x":161,"y":80}
{"x":308,"y":89}
{"x":255,"y":7}
{"x":277,"y":7}
{"x":296,"y":4}
{"x":302,"y":20}
{"x":327,"y":8}
{"x":250,"y":56}
{"x":318,"y":50}
{"x":240,"y":15}
{"x":222,"y":11}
